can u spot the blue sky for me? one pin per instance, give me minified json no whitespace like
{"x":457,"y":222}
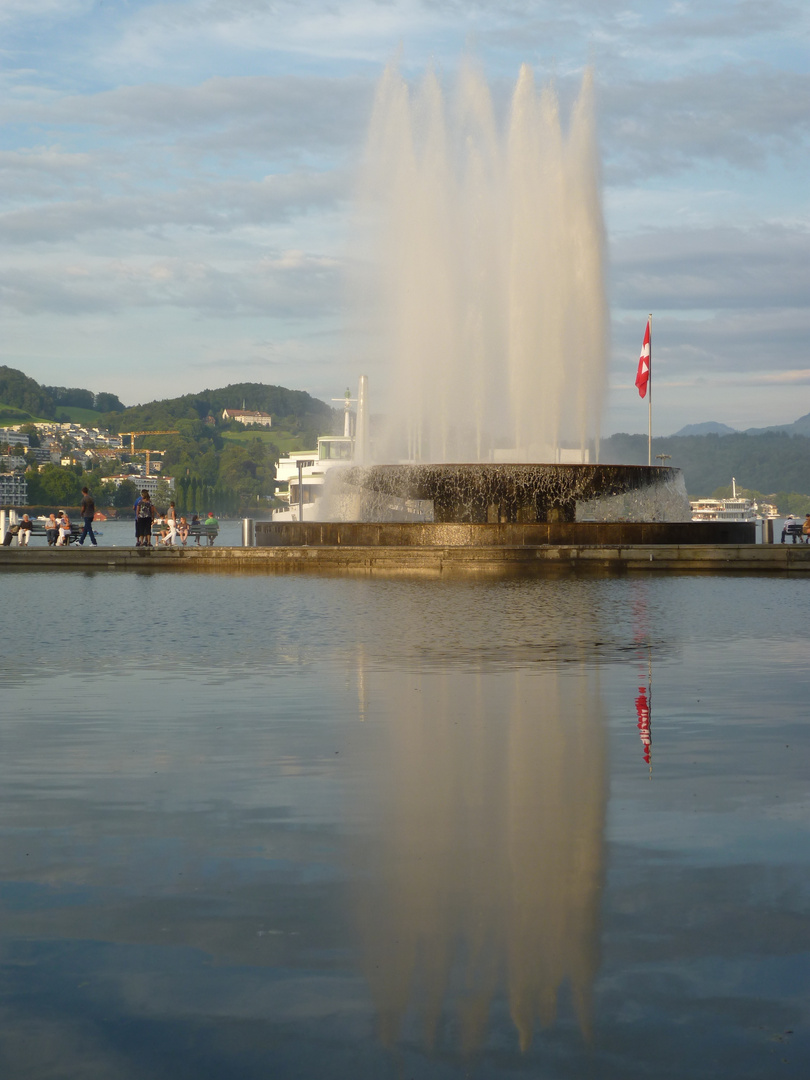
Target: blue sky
{"x":176,"y":185}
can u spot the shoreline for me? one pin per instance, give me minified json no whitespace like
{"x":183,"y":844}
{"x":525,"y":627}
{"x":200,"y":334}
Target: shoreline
{"x":435,"y":562}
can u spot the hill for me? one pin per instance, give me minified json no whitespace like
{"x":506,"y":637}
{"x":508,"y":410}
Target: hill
{"x":293,"y":411}
{"x":710,"y":427}
{"x":19,"y":391}
{"x":798,"y":427}
{"x":772,"y":461}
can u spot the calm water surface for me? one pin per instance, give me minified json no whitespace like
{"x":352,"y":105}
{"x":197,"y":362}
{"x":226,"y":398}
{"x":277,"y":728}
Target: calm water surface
{"x":257,"y":826}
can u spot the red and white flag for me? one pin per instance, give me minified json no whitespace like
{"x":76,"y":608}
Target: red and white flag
{"x":643,"y":373}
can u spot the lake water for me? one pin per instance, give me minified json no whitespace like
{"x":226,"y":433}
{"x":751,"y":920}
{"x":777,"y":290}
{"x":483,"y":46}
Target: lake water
{"x":260,"y":827}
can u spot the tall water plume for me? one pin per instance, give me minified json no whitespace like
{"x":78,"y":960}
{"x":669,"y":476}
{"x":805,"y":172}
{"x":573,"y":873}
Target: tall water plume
{"x":487,"y":292}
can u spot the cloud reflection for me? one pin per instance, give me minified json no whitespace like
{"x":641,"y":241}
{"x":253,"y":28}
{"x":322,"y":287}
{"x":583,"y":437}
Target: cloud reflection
{"x":484,"y":865}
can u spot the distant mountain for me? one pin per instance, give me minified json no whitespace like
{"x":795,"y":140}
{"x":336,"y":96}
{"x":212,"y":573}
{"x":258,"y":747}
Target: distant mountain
{"x":798,"y":427}
{"x":710,"y":427}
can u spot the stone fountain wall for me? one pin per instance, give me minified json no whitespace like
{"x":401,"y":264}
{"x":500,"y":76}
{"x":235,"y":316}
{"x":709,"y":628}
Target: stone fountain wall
{"x":492,"y":494}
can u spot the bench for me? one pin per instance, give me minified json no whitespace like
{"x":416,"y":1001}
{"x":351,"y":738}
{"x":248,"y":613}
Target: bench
{"x":198,"y":531}
{"x":195,"y":533}
{"x":794,"y":529}
{"x":38,"y":529}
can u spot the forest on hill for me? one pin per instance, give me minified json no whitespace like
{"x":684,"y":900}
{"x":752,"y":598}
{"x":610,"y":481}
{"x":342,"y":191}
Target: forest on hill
{"x":21,"y":394}
{"x":769,"y":462}
{"x":293,"y":411}
{"x":216,"y":463}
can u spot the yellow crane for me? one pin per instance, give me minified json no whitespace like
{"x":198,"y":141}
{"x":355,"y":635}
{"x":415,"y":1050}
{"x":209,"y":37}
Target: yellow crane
{"x":148,"y":455}
{"x":132,"y":435}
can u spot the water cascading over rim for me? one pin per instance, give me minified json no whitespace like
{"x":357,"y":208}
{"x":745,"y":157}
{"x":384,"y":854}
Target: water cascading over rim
{"x":487,"y":493}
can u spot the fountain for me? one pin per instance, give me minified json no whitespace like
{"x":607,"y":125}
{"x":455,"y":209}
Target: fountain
{"x":486,"y":298}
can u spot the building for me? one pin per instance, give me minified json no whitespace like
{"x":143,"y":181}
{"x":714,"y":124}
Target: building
{"x":13,"y":489}
{"x":248,"y":416}
{"x":141,"y":482}
{"x":13,"y":463}
{"x":10,"y":437}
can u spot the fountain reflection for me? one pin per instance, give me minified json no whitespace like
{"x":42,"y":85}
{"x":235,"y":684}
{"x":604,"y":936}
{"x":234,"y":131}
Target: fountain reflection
{"x":484,"y":868}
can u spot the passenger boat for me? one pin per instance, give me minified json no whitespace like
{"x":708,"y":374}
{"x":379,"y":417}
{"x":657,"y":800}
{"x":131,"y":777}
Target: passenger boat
{"x":734,"y":509}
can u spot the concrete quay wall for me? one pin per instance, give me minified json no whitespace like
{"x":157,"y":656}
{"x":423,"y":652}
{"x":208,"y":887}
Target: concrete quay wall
{"x":438,"y":562}
{"x":503,"y":534}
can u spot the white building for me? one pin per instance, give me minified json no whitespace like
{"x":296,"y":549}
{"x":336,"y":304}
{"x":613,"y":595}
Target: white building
{"x":248,"y":416}
{"x":150,"y":483}
{"x":13,"y":489}
{"x":12,"y":437}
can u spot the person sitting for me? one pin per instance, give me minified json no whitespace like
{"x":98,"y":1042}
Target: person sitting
{"x":182,"y":530}
{"x":52,"y":530}
{"x":196,"y":527}
{"x":211,"y":526}
{"x":64,"y":530}
{"x":24,"y":531}
{"x":806,"y":529}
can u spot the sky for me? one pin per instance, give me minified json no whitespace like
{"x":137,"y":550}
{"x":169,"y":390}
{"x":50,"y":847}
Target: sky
{"x":177,"y":182}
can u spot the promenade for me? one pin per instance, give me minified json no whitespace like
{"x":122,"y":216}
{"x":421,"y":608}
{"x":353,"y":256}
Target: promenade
{"x":442,"y":561}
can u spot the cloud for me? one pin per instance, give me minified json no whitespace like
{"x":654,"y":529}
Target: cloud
{"x":286,"y":115}
{"x":218,"y":207}
{"x":738,"y":117}
{"x":285,"y":284}
{"x":760,"y":268}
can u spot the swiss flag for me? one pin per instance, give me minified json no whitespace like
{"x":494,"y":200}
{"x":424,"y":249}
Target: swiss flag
{"x":643,"y":373}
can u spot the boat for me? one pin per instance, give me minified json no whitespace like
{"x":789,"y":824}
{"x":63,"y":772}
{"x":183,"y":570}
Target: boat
{"x":734,"y":509}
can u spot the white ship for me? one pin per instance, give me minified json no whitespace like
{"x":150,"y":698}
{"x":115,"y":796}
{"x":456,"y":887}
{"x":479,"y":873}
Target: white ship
{"x":734,"y":509}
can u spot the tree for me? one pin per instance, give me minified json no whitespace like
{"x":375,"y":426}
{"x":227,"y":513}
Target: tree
{"x":126,"y":494}
{"x":108,"y":403}
{"x":17,"y":390}
{"x":33,"y":434}
{"x":59,"y":485}
{"x":163,"y":493}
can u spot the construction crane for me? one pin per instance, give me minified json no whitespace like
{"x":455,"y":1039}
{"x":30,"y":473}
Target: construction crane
{"x":148,"y":455}
{"x":132,"y":435}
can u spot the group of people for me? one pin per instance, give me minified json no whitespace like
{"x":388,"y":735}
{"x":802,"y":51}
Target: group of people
{"x":173,"y":528}
{"x":58,"y":527}
{"x":791,"y":528}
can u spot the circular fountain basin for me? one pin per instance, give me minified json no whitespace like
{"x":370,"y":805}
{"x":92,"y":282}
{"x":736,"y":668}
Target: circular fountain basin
{"x":506,"y":493}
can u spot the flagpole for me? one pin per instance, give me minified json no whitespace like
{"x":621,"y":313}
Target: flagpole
{"x":649,"y":400}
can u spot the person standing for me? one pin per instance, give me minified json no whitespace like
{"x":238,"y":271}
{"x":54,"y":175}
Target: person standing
{"x":144,"y":513}
{"x":88,"y":513}
{"x":171,"y":522}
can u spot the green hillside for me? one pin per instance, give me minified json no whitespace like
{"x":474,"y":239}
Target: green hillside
{"x":215,"y":463}
{"x":9,"y":416}
{"x":84,"y":417}
{"x":293,"y":411}
{"x":768,"y":462}
{"x":20,"y":391}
